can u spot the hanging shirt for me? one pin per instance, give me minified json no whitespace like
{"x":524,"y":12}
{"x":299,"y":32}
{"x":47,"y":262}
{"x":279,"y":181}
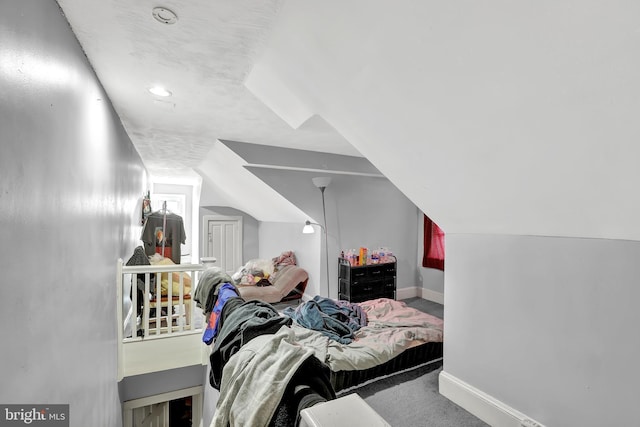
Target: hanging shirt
{"x":167,"y":229}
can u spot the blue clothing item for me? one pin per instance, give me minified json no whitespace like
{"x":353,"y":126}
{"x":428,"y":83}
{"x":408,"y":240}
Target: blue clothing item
{"x":357,"y":316}
{"x":338,"y":321}
{"x":351,"y":314}
{"x":205,"y":293}
{"x":225,"y":292}
{"x":240,"y":322}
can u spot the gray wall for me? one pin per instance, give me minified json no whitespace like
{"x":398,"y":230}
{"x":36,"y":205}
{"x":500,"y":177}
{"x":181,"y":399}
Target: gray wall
{"x":361,"y":211}
{"x":138,"y":386}
{"x":373,"y":213}
{"x":69,"y":207}
{"x":548,"y":326}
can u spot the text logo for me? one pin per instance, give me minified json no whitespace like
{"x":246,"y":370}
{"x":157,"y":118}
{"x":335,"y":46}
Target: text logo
{"x":34,"y":415}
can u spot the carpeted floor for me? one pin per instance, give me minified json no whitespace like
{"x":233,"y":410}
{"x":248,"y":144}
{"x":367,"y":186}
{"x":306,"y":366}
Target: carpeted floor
{"x":411,"y":398}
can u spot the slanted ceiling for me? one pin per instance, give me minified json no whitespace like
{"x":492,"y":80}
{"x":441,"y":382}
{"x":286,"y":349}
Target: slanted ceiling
{"x":279,"y":200}
{"x":499,"y":117}
{"x":493,"y":117}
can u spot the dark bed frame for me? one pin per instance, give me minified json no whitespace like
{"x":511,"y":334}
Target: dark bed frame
{"x":413,"y":357}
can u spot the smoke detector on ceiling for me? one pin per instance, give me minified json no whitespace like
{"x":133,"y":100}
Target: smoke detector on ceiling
{"x":164,"y":15}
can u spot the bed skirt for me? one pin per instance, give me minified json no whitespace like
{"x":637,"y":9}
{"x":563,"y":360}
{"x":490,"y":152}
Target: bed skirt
{"x":410,"y":358}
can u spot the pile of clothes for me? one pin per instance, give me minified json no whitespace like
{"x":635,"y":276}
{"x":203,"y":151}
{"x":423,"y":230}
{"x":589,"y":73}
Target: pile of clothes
{"x":336,"y":319}
{"x":259,"y":271}
{"x":264,"y":377}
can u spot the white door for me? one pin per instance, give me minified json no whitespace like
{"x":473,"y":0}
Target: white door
{"x":223,"y":240}
{"x":155,"y":411}
{"x":155,"y":415}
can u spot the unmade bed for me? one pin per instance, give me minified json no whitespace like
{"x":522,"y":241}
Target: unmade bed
{"x":270,"y":365}
{"x":279,"y":360}
{"x":396,"y":337}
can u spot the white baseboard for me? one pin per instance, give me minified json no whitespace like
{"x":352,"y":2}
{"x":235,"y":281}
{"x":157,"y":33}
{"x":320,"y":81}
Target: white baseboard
{"x":488,"y":409}
{"x":404,"y":293}
{"x":417,"y":291}
{"x":434,"y":296}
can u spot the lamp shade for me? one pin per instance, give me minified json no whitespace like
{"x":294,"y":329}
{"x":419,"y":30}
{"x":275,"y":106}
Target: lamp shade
{"x":308,"y":228}
{"x":321,"y":181}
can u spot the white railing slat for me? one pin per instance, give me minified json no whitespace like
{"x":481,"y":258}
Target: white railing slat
{"x":147,"y":309}
{"x":169,"y":303}
{"x":184,"y":318}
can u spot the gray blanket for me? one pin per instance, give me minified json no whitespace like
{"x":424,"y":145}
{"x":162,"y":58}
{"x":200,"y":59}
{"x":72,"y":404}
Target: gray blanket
{"x":207,"y":283}
{"x":255,"y":378}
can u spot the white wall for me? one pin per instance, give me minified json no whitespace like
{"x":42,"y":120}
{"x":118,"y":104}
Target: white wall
{"x":70,"y":204}
{"x":548,"y":326}
{"x":500,"y":118}
{"x":494,"y":117}
{"x":277,"y":237}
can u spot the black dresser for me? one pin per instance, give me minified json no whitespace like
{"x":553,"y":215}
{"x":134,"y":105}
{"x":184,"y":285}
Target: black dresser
{"x":366,"y":282}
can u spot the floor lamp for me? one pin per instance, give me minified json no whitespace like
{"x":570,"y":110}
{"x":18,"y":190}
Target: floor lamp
{"x":321,"y":183}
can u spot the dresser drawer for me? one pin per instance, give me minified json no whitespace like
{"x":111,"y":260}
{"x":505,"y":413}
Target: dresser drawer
{"x":389,"y":270}
{"x":366,"y":282}
{"x":375,"y":271}
{"x":364,"y":297}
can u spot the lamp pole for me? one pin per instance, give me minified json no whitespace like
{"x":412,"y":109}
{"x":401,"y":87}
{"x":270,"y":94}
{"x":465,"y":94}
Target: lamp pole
{"x":326,"y":240}
{"x":321,"y":182}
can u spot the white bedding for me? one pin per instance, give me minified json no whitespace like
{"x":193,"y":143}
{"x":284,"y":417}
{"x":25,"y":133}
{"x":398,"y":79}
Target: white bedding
{"x":392,"y":328}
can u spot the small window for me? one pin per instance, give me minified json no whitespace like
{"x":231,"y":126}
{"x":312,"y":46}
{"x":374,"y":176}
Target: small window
{"x":433,"y":245}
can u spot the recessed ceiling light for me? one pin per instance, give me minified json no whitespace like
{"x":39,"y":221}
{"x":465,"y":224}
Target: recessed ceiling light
{"x":164,"y":15}
{"x":160,"y":91}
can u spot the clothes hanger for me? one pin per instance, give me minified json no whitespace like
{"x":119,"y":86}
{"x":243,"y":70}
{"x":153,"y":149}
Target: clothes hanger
{"x":163,"y":210}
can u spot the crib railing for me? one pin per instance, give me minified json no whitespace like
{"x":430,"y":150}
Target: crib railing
{"x":157,"y":315}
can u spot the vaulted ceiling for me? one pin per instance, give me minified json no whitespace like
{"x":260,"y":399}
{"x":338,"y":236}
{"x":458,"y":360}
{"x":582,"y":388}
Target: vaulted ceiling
{"x":498,"y":117}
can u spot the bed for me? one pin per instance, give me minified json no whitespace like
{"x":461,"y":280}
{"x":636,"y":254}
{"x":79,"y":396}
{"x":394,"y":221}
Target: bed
{"x":397,"y":337}
{"x":260,"y":359}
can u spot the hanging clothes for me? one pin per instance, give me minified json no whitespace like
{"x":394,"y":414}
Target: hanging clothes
{"x":140,"y":258}
{"x":163,"y":233}
{"x":265,"y":378}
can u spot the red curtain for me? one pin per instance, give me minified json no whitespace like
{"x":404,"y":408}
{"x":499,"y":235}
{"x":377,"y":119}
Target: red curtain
{"x":433,"y":245}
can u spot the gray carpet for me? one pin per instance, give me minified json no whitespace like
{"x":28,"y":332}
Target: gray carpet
{"x":411,"y":398}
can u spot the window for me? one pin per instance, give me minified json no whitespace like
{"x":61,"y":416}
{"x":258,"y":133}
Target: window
{"x":175,"y":203}
{"x":433,"y":245}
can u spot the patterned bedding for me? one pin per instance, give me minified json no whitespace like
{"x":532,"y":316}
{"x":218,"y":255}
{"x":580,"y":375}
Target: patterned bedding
{"x":392,"y":328}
